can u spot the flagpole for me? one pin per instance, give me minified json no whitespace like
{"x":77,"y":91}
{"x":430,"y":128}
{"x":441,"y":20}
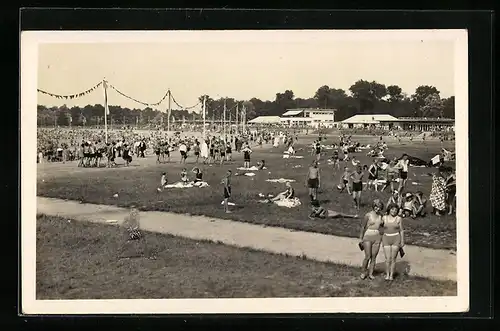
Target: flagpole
{"x":224,"y":119}
{"x":168,"y":118}
{"x":104,"y":84}
{"x":237,"y":125}
{"x":204,"y":115}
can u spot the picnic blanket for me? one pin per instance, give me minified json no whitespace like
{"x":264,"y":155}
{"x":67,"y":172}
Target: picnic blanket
{"x":289,"y":203}
{"x":249,"y":174}
{"x":280,"y":180}
{"x":252,"y":168}
{"x":187,"y":185}
{"x":286,"y":156}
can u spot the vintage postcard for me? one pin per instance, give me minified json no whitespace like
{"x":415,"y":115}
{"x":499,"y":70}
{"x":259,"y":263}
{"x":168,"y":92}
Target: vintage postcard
{"x":244,"y":172}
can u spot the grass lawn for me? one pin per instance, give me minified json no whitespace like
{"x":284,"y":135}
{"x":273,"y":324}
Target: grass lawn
{"x":78,"y":260}
{"x":137,"y":185}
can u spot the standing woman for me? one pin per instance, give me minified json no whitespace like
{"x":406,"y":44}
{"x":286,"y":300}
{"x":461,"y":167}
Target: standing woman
{"x":438,"y":192}
{"x":403,"y":172}
{"x":392,"y":239}
{"x":451,"y":192}
{"x":370,"y":238}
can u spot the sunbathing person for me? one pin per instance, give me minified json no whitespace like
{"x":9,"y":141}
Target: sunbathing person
{"x":319,"y":212}
{"x":288,"y":194}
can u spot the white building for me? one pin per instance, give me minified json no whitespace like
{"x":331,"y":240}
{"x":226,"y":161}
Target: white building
{"x":368,"y":120}
{"x":265,"y":120}
{"x":313,"y":117}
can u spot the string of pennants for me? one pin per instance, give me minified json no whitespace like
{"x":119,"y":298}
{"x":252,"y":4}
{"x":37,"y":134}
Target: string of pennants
{"x":140,"y":102}
{"x":78,"y":95}
{"x":185,"y":108}
{"x":71,"y":96}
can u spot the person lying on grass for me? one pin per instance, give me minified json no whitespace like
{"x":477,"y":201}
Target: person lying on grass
{"x":289,"y":193}
{"x":317,"y":211}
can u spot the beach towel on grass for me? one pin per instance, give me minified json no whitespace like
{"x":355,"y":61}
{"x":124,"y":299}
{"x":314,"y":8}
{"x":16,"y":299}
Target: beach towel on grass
{"x":187,"y":185}
{"x":249,"y":174}
{"x":289,"y":203}
{"x":280,"y":180}
{"x":229,"y":203}
{"x":252,"y":168}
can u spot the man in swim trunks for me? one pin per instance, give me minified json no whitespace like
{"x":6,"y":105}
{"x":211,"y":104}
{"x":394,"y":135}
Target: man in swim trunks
{"x":318,"y":211}
{"x":313,"y":180}
{"x":357,"y":185}
{"x":226,"y":181}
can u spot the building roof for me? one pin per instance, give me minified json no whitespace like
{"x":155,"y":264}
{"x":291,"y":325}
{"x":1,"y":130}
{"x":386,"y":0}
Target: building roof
{"x":292,"y":113}
{"x":265,"y":120}
{"x":370,"y":119}
{"x":426,"y":119}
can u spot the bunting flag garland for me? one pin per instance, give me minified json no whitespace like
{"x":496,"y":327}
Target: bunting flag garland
{"x":142,"y":103}
{"x":185,"y":108}
{"x":78,"y":95}
{"x":71,"y":96}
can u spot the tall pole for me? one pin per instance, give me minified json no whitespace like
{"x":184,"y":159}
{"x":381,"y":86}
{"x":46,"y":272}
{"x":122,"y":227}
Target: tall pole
{"x":237,"y":125}
{"x":168,"y":112}
{"x":104,"y":84}
{"x":244,"y":118}
{"x":204,"y":116}
{"x":224,"y":119}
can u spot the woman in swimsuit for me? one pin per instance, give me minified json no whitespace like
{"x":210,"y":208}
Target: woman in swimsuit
{"x":357,"y":185}
{"x":344,"y":181}
{"x":370,"y":237}
{"x":392,"y":239}
{"x":288,"y":194}
{"x":394,"y":199}
{"x":451,"y":192}
{"x":373,"y":175}
{"x":407,"y":206}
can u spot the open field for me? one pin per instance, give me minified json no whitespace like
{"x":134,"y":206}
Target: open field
{"x":137,"y":185}
{"x":78,"y":260}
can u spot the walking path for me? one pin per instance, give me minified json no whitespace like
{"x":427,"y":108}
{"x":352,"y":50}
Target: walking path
{"x":420,"y":261}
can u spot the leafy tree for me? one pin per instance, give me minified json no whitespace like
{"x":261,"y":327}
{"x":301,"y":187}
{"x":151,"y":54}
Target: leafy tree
{"x":449,"y":107}
{"x":433,"y":106}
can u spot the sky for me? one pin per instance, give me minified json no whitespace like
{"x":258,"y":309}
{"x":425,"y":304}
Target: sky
{"x":240,"y":68}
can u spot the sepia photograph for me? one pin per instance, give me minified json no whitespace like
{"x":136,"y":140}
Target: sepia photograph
{"x":291,"y":171}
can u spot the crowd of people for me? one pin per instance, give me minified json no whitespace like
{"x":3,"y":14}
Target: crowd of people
{"x":382,"y":226}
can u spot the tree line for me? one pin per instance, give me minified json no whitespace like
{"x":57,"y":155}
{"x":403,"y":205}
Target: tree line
{"x":364,"y":97}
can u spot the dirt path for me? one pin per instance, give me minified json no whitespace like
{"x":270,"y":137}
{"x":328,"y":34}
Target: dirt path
{"x":418,"y":261}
